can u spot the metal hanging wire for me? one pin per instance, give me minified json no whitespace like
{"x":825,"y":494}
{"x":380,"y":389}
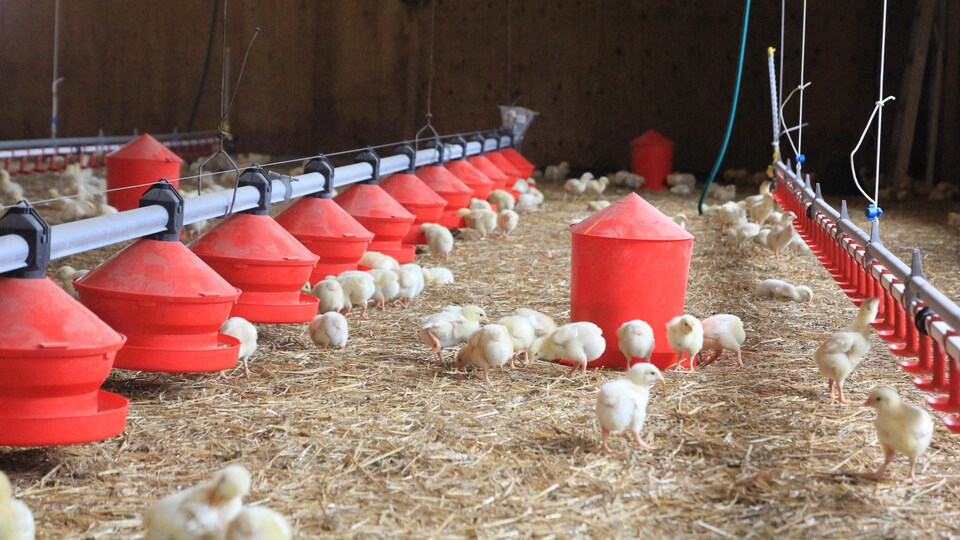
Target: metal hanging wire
{"x":428,"y":127}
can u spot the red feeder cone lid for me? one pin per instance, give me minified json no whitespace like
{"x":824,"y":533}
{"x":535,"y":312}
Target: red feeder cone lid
{"x":247,"y":237}
{"x":632,"y":218}
{"x":144,"y":148}
{"x":51,"y":322}
{"x":371,"y":201}
{"x":411,"y":192}
{"x":522,"y":164}
{"x":485,"y":166}
{"x":504,"y":164}
{"x":480,"y":183}
{"x":322,"y":218}
{"x":444,"y":182}
{"x":651,"y":138}
{"x":153,"y":268}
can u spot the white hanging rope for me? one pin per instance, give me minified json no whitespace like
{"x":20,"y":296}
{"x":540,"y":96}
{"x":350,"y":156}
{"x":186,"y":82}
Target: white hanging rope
{"x":783,"y":18}
{"x":786,"y":130}
{"x":803,"y":59}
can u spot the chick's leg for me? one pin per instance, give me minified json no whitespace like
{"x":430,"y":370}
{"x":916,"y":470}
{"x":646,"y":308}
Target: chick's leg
{"x":739,"y":357}
{"x":913,"y":465}
{"x":573,"y":368}
{"x":627,"y":366}
{"x":842,"y":399}
{"x":603,"y":446}
{"x":638,"y":441}
{"x":888,"y":455}
{"x":830,"y":388}
{"x":246,"y":368}
{"x":486,"y":375}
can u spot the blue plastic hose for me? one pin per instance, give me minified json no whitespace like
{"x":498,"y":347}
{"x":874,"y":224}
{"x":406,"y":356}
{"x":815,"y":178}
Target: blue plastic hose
{"x":733,"y":110}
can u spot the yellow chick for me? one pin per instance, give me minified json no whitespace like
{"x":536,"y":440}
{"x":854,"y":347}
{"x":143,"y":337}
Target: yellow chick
{"x":781,"y":235}
{"x":437,"y":276}
{"x":503,"y":199}
{"x":507,"y":222}
{"x":636,"y":341}
{"x":522,"y":332}
{"x":901,"y":428}
{"x":685,"y":335}
{"x":622,"y":403}
{"x":596,"y":187}
{"x":439,"y":239}
{"x":246,"y":333}
{"x":579,"y":342}
{"x":574,"y":187}
{"x":777,"y":288}
{"x":330,"y":293}
{"x":842,"y":351}
{"x":258,"y":523}
{"x":489,"y":347}
{"x":200,"y":512}
{"x":65,"y":277}
{"x":16,"y":521}
{"x":450,"y":327}
{"x":329,"y":330}
{"x":358,"y":288}
{"x":479,"y":204}
{"x":723,"y":332}
{"x":543,"y":324}
{"x":379,"y":261}
{"x":386,"y":286}
{"x":411,"y":282}
{"x":482,"y":221}
{"x":596,"y":206}
{"x":10,"y":191}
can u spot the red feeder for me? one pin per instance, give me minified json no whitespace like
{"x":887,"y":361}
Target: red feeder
{"x":651,"y":156}
{"x":380,"y":214}
{"x":54,"y":355}
{"x":480,"y":183}
{"x":418,"y":199}
{"x":519,"y":162}
{"x":329,"y":232}
{"x":168,"y":303}
{"x":445,"y":184}
{"x":629,"y":261}
{"x":140,"y":161}
{"x":508,"y":169}
{"x":258,"y":256}
{"x":484,"y":165}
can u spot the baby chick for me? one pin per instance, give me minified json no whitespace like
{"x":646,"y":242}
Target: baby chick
{"x":66,"y":275}
{"x":437,"y":276}
{"x":482,"y":221}
{"x":358,"y":289}
{"x":16,"y":521}
{"x":386,"y":286}
{"x":781,"y":235}
{"x":439,"y":239}
{"x":258,"y":523}
{"x":503,"y":199}
{"x":777,"y":288}
{"x":241,"y":329}
{"x":901,"y":428}
{"x":681,"y":179}
{"x":507,"y":222}
{"x":723,"y":332}
{"x":622,"y":404}
{"x":685,"y":335}
{"x":10,"y":191}
{"x":543,"y":324}
{"x":329,"y":330}
{"x":410,"y":279}
{"x":595,"y":188}
{"x":636,"y":340}
{"x":379,"y":261}
{"x":203,"y":511}
{"x":488,"y":347}
{"x":450,"y":327}
{"x":840,"y":353}
{"x":523,"y":334}
{"x":479,"y":204}
{"x":579,"y":342}
{"x":573,"y":188}
{"x":596,"y":206}
{"x":330,"y":293}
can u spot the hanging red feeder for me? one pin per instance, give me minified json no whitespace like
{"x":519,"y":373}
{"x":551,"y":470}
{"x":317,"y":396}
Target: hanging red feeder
{"x":379,"y":213}
{"x":651,"y":156}
{"x":519,"y":162}
{"x":54,"y":354}
{"x":480,"y":183}
{"x":258,"y":256}
{"x":499,"y":178}
{"x":140,"y":161}
{"x":418,"y":199}
{"x":629,"y":261}
{"x":450,"y":188}
{"x":168,"y":303}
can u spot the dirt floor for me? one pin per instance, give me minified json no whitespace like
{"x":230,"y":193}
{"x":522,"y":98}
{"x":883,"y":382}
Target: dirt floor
{"x":379,"y":441}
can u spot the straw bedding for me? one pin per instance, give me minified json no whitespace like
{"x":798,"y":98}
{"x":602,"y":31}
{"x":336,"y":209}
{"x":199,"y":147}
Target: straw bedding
{"x":379,"y":441}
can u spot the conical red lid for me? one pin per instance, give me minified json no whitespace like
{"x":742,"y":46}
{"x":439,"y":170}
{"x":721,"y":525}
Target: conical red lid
{"x":524,"y":165}
{"x":440,"y":180}
{"x":632,"y":218}
{"x":247,"y":237}
{"x":321,"y":218}
{"x":154,"y":268}
{"x":468,"y":174}
{"x":144,"y":148}
{"x":651,"y":137}
{"x":50,"y":320}
{"x":486,"y":167}
{"x":410,"y":191}
{"x":503,"y":164}
{"x":369,"y":200}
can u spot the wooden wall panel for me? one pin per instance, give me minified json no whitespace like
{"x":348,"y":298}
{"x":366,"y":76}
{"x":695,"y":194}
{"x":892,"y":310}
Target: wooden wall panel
{"x":328,"y":75}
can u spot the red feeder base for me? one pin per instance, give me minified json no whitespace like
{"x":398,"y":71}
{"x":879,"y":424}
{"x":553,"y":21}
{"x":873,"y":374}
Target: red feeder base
{"x":259,"y":257}
{"x":382,"y":215}
{"x":329,"y":232}
{"x":168,"y":303}
{"x":54,"y":354}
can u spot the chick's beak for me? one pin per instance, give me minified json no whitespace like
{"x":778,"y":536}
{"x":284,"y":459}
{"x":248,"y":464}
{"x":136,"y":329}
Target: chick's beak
{"x":660,"y":377}
{"x":866,"y":403}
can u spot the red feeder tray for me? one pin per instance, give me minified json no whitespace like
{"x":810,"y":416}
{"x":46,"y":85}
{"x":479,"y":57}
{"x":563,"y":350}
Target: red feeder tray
{"x":484,"y":165}
{"x":519,"y":162}
{"x":168,"y":303}
{"x":480,"y":183}
{"x":449,"y":187}
{"x":380,"y":214}
{"x":329,"y":232}
{"x":418,"y":199}
{"x":266,"y":263}
{"x":54,"y":354}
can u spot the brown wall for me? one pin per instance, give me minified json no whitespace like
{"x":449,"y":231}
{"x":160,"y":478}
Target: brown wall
{"x":328,"y":75}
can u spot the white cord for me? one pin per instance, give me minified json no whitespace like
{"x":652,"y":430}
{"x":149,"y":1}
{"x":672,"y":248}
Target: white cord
{"x":786,"y":130}
{"x":853,"y":168}
{"x":803,"y":57}
{"x":783,"y":17}
{"x":880,"y":102}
